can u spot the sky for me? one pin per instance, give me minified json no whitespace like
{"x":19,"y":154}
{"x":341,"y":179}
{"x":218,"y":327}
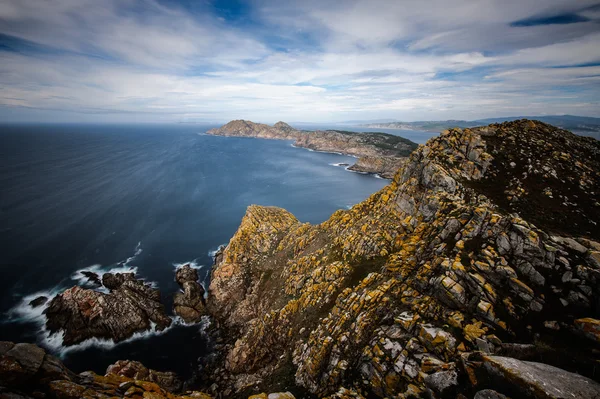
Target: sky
{"x":305,"y":61}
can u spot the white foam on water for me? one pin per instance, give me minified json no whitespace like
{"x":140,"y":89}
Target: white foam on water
{"x":214,"y":251}
{"x":193,"y":264}
{"x":55,"y":341}
{"x":25,"y":313}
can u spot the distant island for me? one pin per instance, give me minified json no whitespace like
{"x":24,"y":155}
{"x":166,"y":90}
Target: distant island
{"x":378,"y":153}
{"x":582,"y":125}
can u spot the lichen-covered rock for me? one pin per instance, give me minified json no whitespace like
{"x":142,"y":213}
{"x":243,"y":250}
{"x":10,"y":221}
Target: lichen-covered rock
{"x":438,"y":264}
{"x":131,"y":306}
{"x":137,"y":371}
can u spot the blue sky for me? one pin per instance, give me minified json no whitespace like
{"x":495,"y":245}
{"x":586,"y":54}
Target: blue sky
{"x":311,"y":61}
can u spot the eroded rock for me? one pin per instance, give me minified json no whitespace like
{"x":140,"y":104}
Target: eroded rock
{"x":130,"y":307}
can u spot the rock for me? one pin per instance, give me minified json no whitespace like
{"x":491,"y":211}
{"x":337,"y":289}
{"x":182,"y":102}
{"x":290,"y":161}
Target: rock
{"x":39,"y":301}
{"x":84,"y":313}
{"x":539,"y":380}
{"x":113,"y":281}
{"x":281,"y":395}
{"x":66,"y":390}
{"x":92,"y":278}
{"x":443,"y":383}
{"x":137,"y":371}
{"x":590,"y":328}
{"x":457,"y":250}
{"x":385,"y":167}
{"x":489,"y":394}
{"x":26,"y":371}
{"x":189,"y":304}
{"x":29,"y":356}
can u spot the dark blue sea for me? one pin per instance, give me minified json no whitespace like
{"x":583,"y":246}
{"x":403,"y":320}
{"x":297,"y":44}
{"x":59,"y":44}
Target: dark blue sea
{"x":146,"y":198}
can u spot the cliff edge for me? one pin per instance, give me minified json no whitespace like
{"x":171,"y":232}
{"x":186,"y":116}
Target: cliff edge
{"x":477,"y":264}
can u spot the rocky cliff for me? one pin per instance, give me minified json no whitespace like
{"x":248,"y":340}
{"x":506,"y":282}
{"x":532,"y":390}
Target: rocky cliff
{"x":380,"y":153}
{"x":474,"y":274}
{"x":476,"y":268}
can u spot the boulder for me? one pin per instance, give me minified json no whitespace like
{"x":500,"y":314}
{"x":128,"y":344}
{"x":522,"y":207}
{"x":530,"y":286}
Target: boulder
{"x":39,"y":301}
{"x":489,"y":394}
{"x":539,"y":380}
{"x":136,"y":370}
{"x":443,"y":384}
{"x":189,"y":304}
{"x":130,"y":307}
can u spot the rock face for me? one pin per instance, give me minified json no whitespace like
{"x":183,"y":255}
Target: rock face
{"x":393,"y":297}
{"x":189,"y":304}
{"x":379,"y":153}
{"x":130,"y":307}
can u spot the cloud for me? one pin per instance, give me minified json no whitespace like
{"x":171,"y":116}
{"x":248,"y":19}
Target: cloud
{"x":301,"y":61}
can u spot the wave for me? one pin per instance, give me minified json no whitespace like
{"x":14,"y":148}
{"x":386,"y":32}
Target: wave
{"x":193,"y":264}
{"x":23,"y":312}
{"x":213,"y":252}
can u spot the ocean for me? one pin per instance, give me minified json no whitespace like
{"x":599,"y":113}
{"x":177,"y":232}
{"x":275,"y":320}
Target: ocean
{"x":145,"y":198}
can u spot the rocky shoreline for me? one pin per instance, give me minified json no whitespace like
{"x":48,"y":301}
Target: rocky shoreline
{"x":378,"y":153}
{"x":474,"y":274}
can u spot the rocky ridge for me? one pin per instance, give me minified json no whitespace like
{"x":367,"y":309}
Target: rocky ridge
{"x":433,"y":286}
{"x":378,"y":153}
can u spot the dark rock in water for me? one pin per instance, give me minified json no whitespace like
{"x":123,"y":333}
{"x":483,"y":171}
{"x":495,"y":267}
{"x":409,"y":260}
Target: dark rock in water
{"x":189,"y":304}
{"x":112,"y":281}
{"x":538,"y":380}
{"x":186,"y":273}
{"x":92,"y":278}
{"x":137,"y":371}
{"x":39,"y":301}
{"x":84,"y":313}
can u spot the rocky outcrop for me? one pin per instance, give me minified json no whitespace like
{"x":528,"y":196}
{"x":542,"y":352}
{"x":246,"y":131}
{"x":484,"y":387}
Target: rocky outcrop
{"x":189,"y":304}
{"x":137,"y":371}
{"x":130,"y":307}
{"x":385,"y":167}
{"x":379,"y":153}
{"x":395,"y":296}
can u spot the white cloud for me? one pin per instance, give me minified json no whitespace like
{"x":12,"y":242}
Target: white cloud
{"x":344,"y":60}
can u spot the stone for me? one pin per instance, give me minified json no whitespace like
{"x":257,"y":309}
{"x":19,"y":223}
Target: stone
{"x":589,"y":327}
{"x":189,"y":304}
{"x":489,"y":394}
{"x":29,"y":356}
{"x":130,"y":307}
{"x":281,"y":395}
{"x":540,"y":380}
{"x":137,"y":371}
{"x":442,"y":383}
{"x":39,"y":301}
